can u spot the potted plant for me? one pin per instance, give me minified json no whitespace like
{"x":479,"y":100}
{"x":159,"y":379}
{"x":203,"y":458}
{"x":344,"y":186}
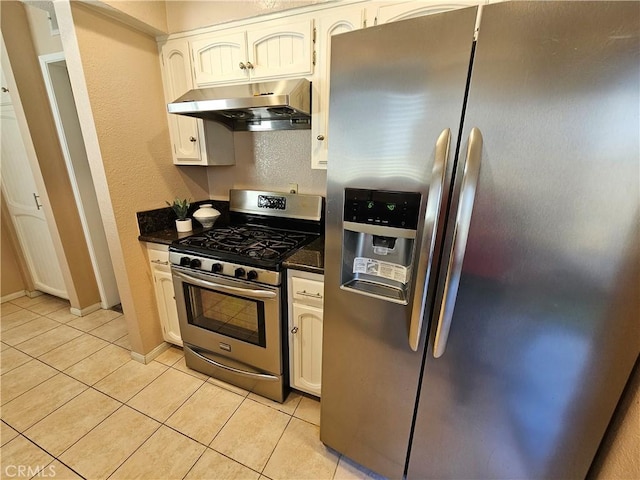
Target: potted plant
{"x":181,"y":207}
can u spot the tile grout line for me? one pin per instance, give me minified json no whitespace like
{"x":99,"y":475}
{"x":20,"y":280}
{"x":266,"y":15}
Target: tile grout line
{"x":16,"y":347}
{"x":45,"y":451}
{"x":136,"y":449}
{"x":66,"y":325}
{"x":276,"y":445}
{"x":163,"y":423}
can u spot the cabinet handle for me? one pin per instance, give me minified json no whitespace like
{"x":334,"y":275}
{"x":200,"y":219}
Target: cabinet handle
{"x":193,"y":139}
{"x":250,"y":65}
{"x":242,"y":66}
{"x":320,"y":137}
{"x":304,"y":293}
{"x":294,"y":330}
{"x":159,"y":262}
{"x":5,"y":89}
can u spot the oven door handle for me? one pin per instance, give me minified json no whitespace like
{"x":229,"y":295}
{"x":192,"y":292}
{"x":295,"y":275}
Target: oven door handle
{"x":225,"y":288}
{"x":259,"y":376}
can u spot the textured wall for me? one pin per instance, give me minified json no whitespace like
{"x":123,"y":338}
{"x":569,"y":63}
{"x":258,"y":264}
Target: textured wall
{"x":150,"y":12}
{"x":191,"y":14}
{"x":124,"y":86}
{"x":270,"y":161}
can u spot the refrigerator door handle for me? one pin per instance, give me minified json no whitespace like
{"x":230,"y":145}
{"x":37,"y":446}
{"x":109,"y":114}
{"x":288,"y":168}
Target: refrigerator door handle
{"x":459,"y":245}
{"x":434,"y":199}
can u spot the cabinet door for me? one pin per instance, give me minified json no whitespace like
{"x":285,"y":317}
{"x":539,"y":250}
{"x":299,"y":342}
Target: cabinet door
{"x":185,"y":132}
{"x":306,"y":333}
{"x":166,"y":301}
{"x":281,"y":50}
{"x":338,"y":21}
{"x":403,"y":11}
{"x":220,"y":58}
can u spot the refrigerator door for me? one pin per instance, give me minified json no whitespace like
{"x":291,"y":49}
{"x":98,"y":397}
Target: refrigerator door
{"x":544,"y":331}
{"x":396,"y":99}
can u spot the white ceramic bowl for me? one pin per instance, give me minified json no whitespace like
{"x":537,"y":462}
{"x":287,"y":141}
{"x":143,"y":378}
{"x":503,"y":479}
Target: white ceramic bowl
{"x":206,"y":215}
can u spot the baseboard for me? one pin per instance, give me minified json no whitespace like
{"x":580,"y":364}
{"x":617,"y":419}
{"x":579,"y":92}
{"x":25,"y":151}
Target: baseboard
{"x":138,"y":357}
{"x":13,"y":296}
{"x":81,"y":312}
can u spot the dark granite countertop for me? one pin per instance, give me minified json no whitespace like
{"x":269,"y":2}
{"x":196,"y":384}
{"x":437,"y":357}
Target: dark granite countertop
{"x":158,"y":226}
{"x":309,"y":258}
{"x":168,"y":236}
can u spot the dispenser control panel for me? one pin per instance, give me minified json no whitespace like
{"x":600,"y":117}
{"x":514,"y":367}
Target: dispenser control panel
{"x":381,"y":207}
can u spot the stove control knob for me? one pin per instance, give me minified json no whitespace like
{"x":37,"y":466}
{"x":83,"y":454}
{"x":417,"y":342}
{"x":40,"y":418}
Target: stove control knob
{"x":252,"y":274}
{"x":195,"y":263}
{"x":184,"y":261}
{"x":239,"y":272}
{"x":216,"y":267}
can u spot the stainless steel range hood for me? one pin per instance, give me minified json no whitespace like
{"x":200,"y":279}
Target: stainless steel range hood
{"x":279,"y":105}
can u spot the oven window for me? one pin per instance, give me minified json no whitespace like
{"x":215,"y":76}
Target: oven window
{"x":226,"y":314}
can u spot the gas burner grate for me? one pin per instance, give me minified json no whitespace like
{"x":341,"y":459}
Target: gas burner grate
{"x":253,"y":242}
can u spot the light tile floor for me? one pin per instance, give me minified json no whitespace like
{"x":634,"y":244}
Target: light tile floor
{"x":75,"y":405}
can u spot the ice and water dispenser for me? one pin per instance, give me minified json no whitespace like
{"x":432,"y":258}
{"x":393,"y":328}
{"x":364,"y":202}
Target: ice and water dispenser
{"x":379,"y":238}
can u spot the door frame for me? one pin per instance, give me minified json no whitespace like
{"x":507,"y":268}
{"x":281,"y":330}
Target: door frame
{"x":80,"y":178}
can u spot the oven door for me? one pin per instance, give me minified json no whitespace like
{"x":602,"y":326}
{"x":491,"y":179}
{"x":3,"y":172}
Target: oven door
{"x":230,"y":318}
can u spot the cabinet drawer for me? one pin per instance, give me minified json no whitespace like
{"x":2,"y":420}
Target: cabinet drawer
{"x":308,"y":292}
{"x":158,"y":257}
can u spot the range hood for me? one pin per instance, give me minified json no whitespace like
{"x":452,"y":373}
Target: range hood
{"x":279,"y":105}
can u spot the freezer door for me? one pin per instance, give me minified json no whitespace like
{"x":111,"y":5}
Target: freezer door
{"x":544,"y":329}
{"x":396,"y":101}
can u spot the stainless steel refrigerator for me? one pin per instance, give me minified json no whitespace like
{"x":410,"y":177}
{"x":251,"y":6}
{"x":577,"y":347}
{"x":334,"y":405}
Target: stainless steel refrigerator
{"x":482,"y":311}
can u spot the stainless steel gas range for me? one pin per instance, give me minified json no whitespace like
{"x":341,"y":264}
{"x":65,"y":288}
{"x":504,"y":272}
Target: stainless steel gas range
{"x":228,"y":288}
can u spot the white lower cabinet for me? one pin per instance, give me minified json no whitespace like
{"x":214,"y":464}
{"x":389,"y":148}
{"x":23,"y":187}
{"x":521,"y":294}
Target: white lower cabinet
{"x":305,"y":299}
{"x":165,"y":298}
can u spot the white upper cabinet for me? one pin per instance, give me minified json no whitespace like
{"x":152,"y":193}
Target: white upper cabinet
{"x":186,"y":134}
{"x":220,"y":58}
{"x":298,"y":45}
{"x":405,"y":10}
{"x":283,"y":49}
{"x":189,"y":144}
{"x":332,"y":22}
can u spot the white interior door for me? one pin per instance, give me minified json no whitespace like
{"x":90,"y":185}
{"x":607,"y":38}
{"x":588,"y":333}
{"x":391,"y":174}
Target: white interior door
{"x":25,"y":208}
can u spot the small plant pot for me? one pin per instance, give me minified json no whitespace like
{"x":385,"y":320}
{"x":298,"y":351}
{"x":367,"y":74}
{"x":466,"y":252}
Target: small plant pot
{"x":183,"y":225}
